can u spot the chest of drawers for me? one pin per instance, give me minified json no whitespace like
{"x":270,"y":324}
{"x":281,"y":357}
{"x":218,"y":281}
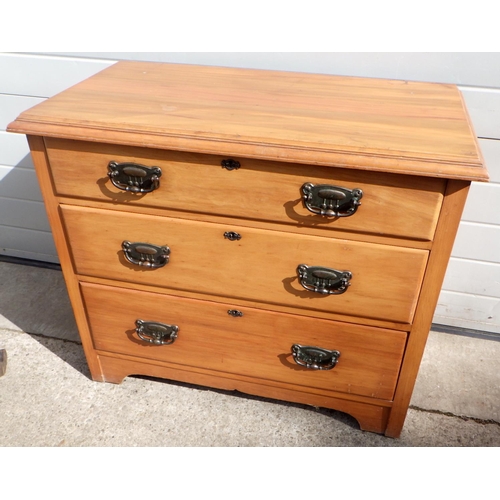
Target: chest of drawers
{"x":280,"y":234}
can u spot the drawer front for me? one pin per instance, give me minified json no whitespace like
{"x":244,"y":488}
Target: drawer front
{"x":393,"y":205}
{"x":256,"y":344}
{"x":260,"y":266}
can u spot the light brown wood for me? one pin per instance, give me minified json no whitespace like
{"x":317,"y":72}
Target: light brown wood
{"x":248,"y":345}
{"x":383,"y":125}
{"x":405,"y":206}
{"x":42,"y":169}
{"x":198,"y":373}
{"x":454,"y":202}
{"x":409,"y":146}
{"x":261,"y":266}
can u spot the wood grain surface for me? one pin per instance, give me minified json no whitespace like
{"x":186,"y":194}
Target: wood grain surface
{"x":286,"y":129}
{"x":405,"y":206}
{"x":257,"y":344}
{"x":383,"y":125}
{"x":261,"y":266}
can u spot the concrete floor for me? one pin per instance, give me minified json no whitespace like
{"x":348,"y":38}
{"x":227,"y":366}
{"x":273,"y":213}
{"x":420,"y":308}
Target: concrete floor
{"x":47,"y":398}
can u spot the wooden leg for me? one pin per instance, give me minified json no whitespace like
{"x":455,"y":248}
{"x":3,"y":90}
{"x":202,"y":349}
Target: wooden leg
{"x":455,"y":197}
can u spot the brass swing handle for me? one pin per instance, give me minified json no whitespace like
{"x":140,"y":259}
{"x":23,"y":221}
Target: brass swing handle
{"x":331,"y":201}
{"x":323,"y":280}
{"x":156,"y":333}
{"x":145,"y":254}
{"x":315,"y":358}
{"x":134,"y":177}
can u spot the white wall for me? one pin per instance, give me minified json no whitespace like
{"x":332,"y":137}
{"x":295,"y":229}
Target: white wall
{"x":26,"y":80}
{"x":471,"y":293}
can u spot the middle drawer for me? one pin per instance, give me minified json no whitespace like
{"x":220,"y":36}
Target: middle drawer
{"x":261,"y":265}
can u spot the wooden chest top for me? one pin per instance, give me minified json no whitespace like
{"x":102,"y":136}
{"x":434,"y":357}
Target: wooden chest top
{"x":371,"y":124}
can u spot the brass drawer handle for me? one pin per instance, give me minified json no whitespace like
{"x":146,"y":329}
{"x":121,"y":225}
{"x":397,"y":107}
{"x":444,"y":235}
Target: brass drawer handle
{"x":156,"y":333}
{"x":145,"y":254}
{"x":133,"y":177}
{"x":323,"y":280}
{"x":331,"y":201}
{"x":314,"y":358}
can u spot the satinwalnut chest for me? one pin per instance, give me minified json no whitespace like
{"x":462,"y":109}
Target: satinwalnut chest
{"x":281,"y":234}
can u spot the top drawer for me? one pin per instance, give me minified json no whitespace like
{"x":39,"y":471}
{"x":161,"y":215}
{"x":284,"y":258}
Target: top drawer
{"x":393,"y":205}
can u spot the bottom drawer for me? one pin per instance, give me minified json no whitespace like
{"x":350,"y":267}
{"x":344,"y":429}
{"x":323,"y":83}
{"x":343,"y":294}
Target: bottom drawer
{"x":250,"y":342}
